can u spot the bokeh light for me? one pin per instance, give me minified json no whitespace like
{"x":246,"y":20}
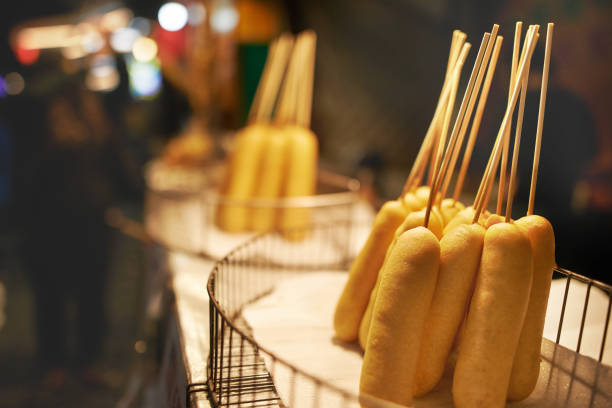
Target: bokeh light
{"x":224,"y":19}
{"x":197,"y":13}
{"x":142,"y":24}
{"x":145,"y":49}
{"x":145,"y":78}
{"x":103,"y":75}
{"x":26,"y":56}
{"x":172,"y":16}
{"x":2,"y":93}
{"x":14,"y":83}
{"x":123,"y":39}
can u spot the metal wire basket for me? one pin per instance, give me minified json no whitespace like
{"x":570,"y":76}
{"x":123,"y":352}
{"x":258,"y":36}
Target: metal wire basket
{"x":181,"y":206}
{"x":241,"y":371}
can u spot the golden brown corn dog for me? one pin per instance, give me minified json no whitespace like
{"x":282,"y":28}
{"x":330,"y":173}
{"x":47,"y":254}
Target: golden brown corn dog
{"x":405,"y":293}
{"x":460,"y":253}
{"x":241,"y":177}
{"x":411,"y":202}
{"x":526,"y":366}
{"x":495,"y":319}
{"x":464,"y":216}
{"x":271,"y":179}
{"x":449,"y":208}
{"x":301,"y":179}
{"x":413,"y":220}
{"x":364,"y":271}
{"x":492,"y":220}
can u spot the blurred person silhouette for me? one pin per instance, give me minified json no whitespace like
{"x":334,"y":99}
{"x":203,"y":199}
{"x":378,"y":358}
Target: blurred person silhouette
{"x":78,"y":172}
{"x":568,"y":145}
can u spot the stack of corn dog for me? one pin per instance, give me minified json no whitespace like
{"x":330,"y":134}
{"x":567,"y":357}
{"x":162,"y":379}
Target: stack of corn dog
{"x":275,"y":155}
{"x":437,"y":278}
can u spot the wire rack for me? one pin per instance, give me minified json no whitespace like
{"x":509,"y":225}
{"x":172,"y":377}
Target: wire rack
{"x":181,"y":206}
{"x":240,"y":371}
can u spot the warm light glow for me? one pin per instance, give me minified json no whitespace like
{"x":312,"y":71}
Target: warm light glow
{"x":13,"y":83}
{"x":145,"y":49}
{"x":47,"y":37}
{"x":224,"y":19}
{"x":103,"y":75}
{"x":123,"y":39}
{"x":92,"y":41}
{"x":74,"y":52}
{"x":116,"y":19}
{"x":172,"y":16}
{"x":197,"y":13}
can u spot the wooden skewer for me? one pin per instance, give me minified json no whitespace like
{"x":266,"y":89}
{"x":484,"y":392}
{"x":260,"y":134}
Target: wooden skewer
{"x":517,"y":142}
{"x":306,"y":65}
{"x":468,"y":113}
{"x":449,"y":110}
{"x":272,"y":84}
{"x":265,"y":74}
{"x":506,"y":136}
{"x":286,"y":111}
{"x":517,"y":138}
{"x":467,"y":156}
{"x":515,"y":93}
{"x":451,"y":54}
{"x":538,"y":142}
{"x":456,"y":47}
{"x":504,"y":162}
{"x":418,"y":167}
{"x":463,"y":109}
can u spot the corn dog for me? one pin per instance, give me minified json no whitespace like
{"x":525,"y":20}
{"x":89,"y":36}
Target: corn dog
{"x":301,"y":176}
{"x":406,"y":289}
{"x":493,"y":219}
{"x":526,"y":366}
{"x":464,"y":216}
{"x":449,"y":208}
{"x":412,"y":203}
{"x":270,"y":180}
{"x":242,"y":176}
{"x":364,"y":271}
{"x":495,"y":319}
{"x":413,"y":220}
{"x":460,"y":253}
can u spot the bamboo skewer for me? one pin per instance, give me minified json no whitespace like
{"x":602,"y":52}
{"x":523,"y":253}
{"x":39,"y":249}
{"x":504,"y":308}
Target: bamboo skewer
{"x":272,"y":82}
{"x":468,"y":113}
{"x":418,"y":168}
{"x":436,"y":167}
{"x":538,"y":142}
{"x":463,"y":110}
{"x":517,"y":143}
{"x":486,"y":191}
{"x":467,"y":156}
{"x":263,"y":80}
{"x":306,"y":64}
{"x":529,"y":47}
{"x":504,"y":161}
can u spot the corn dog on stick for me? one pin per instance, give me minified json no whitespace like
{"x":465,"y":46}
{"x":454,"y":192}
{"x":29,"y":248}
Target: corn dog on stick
{"x":526,"y":366}
{"x":270,"y":185}
{"x":244,"y":162}
{"x":413,"y":220}
{"x":275,"y":145}
{"x":302,"y":157}
{"x":243,"y":172}
{"x":495,"y":318}
{"x":460,"y":252}
{"x":364,"y":271}
{"x":406,"y":289}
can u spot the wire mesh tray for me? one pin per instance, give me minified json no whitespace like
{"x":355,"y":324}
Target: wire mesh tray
{"x":241,"y":372}
{"x":181,"y":206}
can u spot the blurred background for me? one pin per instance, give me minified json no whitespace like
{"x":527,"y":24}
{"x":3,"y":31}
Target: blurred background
{"x":91,"y":91}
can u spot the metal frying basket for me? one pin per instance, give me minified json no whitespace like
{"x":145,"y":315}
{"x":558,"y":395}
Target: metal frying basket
{"x":241,"y":371}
